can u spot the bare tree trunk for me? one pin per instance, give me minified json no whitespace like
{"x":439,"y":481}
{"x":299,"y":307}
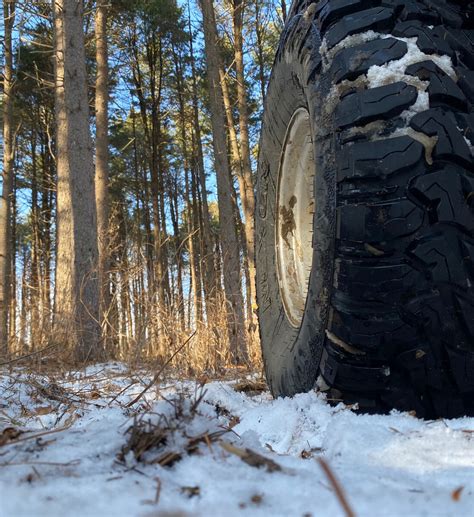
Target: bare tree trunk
{"x":210,"y":283}
{"x":24,"y":305}
{"x":247,"y":191}
{"x":235,"y":161}
{"x":151,"y":120}
{"x":101,"y":163}
{"x":7,"y":180}
{"x":259,"y":52}
{"x":13,"y":298}
{"x":191,"y":218}
{"x":193,"y":261}
{"x":47,"y":203}
{"x":178,"y":298}
{"x":35,"y":278}
{"x":283,"y":10}
{"x":76,"y":286}
{"x":228,"y":234}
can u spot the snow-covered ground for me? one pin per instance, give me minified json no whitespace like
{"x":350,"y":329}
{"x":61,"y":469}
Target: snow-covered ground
{"x":74,"y":446}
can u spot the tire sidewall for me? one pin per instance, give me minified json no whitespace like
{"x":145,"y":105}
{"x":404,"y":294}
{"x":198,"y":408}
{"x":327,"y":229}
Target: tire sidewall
{"x":292,"y":355}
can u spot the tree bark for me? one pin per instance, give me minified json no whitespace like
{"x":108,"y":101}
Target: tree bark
{"x":101,"y":163}
{"x":210,"y":282}
{"x":235,"y":158}
{"x":12,"y":330}
{"x":283,"y":10}
{"x":76,"y":287}
{"x":259,"y":33}
{"x":7,"y":180}
{"x":191,"y":204}
{"x":247,"y":190}
{"x":228,"y":234}
{"x":35,"y":275}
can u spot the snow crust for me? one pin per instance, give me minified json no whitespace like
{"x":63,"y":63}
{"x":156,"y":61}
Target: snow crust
{"x":387,"y":465}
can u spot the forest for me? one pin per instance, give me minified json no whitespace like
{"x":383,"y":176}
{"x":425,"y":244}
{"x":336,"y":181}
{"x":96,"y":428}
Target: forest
{"x":130,"y":136}
{"x":236,"y":258}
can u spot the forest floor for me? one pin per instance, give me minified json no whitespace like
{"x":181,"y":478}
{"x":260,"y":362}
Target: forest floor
{"x":77,"y":444}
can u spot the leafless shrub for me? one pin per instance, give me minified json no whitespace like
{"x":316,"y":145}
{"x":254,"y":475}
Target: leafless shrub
{"x":165,"y":438}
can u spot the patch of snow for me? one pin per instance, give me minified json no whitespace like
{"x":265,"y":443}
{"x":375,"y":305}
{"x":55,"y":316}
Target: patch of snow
{"x":347,"y":42}
{"x":394,"y":71}
{"x":470,"y":144}
{"x":387,"y":465}
{"x":421,"y":104}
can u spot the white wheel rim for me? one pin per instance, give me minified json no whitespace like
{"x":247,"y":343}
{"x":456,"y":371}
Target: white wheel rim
{"x":294,"y":218}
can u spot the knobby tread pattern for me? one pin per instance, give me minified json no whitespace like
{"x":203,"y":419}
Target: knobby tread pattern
{"x":401,"y":330}
{"x":385,"y":102}
{"x":442,"y":89}
{"x":353,"y":62}
{"x":429,"y":40}
{"x":466,"y":82}
{"x":376,"y":18}
{"x":450,"y":144}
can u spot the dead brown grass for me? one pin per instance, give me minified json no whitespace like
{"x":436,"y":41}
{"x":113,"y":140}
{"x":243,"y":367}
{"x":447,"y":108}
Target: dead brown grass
{"x":163,"y":439}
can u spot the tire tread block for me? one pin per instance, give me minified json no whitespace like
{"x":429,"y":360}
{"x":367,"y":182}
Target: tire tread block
{"x":442,"y":89}
{"x":450,"y":144}
{"x":379,"y":159}
{"x":389,"y":282}
{"x":350,"y":63}
{"x":383,"y":103}
{"x":441,"y":252}
{"x":450,"y":14}
{"x":429,"y":41}
{"x":466,"y":82}
{"x":462,"y":41}
{"x":352,"y":376}
{"x":376,"y":18}
{"x":379,"y":223}
{"x":412,"y":10}
{"x":332,"y":11}
{"x":443,"y":195}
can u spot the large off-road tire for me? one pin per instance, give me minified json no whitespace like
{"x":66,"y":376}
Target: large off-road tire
{"x":368,"y":124}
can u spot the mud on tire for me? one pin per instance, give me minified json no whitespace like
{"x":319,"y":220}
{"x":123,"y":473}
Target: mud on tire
{"x":389,"y":314}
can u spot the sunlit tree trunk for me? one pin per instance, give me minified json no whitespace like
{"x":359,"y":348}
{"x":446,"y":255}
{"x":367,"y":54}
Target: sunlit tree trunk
{"x":7,"y":179}
{"x":35,"y":278}
{"x":228,"y":234}
{"x":283,"y":10}
{"x":191,"y":206}
{"x":247,"y":188}
{"x":235,"y":158}
{"x":259,"y":34}
{"x":211,"y":285}
{"x":101,"y":162}
{"x":12,"y":327}
{"x":76,"y":285}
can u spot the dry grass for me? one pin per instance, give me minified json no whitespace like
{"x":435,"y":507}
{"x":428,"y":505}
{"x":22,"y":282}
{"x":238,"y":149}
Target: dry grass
{"x":164,"y":439}
{"x":148,"y":344}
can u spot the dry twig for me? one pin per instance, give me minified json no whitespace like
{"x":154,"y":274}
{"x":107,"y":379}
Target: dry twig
{"x":251,"y":457}
{"x":38,"y":435}
{"x":160,"y":371}
{"x":337,"y":487}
